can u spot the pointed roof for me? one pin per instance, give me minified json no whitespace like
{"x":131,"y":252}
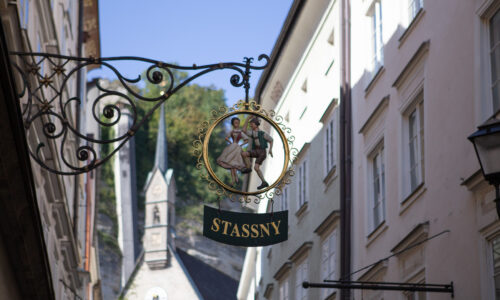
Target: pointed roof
{"x":161,"y":154}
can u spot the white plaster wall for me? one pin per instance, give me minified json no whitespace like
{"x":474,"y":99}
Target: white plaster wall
{"x":450,"y":116}
{"x":306,"y":127}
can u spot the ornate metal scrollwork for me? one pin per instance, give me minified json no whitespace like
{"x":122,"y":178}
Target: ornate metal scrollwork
{"x":47,"y":98}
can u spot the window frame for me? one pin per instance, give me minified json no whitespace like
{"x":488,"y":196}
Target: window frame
{"x":378,"y":151}
{"x":416,"y":107}
{"x":412,"y":11}
{"x":330,"y":144}
{"x":490,"y":49}
{"x":302,"y":184}
{"x":491,"y":263}
{"x":284,"y":205}
{"x":284,"y":289}
{"x":326,"y":260}
{"x":375,"y":14}
{"x":301,"y":275}
{"x":23,"y":9}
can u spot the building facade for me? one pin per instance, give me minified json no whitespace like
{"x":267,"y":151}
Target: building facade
{"x":301,"y":85}
{"x":423,"y":77}
{"x":64,"y":206}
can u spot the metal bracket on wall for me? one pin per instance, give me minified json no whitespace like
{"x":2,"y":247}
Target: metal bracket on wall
{"x":387,"y":286}
{"x":46,"y":97}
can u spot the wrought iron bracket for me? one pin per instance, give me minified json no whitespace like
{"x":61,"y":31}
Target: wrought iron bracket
{"x":47,"y":97}
{"x":387,"y":286}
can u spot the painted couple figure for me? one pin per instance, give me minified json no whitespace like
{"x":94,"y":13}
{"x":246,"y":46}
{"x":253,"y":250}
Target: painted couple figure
{"x":234,"y":158}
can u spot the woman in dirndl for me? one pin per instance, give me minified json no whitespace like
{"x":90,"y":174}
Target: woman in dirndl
{"x":231,"y":158}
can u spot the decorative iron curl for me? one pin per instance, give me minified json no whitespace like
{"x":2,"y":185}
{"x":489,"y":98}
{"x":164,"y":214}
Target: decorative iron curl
{"x":47,"y":104}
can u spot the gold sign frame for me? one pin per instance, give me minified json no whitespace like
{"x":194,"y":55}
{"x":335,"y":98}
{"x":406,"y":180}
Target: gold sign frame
{"x":218,"y":186}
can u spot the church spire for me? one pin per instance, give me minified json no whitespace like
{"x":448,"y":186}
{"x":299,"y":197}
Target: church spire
{"x":161,"y":154}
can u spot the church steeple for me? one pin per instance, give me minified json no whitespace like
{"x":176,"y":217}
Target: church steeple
{"x":161,"y":154}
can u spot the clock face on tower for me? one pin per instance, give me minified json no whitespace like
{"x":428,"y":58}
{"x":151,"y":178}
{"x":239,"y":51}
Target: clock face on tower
{"x":156,"y":293}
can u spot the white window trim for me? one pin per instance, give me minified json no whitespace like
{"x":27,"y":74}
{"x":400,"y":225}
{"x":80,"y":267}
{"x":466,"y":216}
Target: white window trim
{"x":370,"y":192}
{"x":305,"y":177}
{"x":490,"y":64}
{"x":285,"y":204}
{"x":415,"y":105}
{"x":302,"y":270}
{"x":284,"y":289}
{"x":374,"y":64}
{"x":325,"y":293}
{"x":330,"y":166}
{"x":411,"y":15}
{"x":484,"y":107}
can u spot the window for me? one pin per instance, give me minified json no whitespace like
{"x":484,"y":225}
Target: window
{"x":302,"y":270}
{"x":328,"y":261}
{"x":495,"y":60}
{"x":39,"y":49}
{"x":495,"y":247}
{"x":415,"y":146}
{"x":378,"y":188}
{"x":24,"y":6}
{"x":415,"y":295}
{"x":414,"y":7}
{"x":330,"y":149}
{"x":377,"y":42}
{"x":63,"y":40}
{"x":302,"y":184}
{"x":284,"y":199}
{"x":284,"y":290}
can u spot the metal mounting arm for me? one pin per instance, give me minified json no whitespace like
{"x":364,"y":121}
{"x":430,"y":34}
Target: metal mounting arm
{"x":387,"y":286}
{"x":46,"y":101}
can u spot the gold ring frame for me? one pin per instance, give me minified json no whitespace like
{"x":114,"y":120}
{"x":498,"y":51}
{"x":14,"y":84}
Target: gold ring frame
{"x":214,"y":183}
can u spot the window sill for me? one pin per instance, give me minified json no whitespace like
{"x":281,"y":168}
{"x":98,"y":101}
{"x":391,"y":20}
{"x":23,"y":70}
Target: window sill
{"x":381,"y":228}
{"x":409,"y":29}
{"x":412,"y":197}
{"x":332,"y":174}
{"x":374,"y":79}
{"x":332,"y":296}
{"x":301,"y":210}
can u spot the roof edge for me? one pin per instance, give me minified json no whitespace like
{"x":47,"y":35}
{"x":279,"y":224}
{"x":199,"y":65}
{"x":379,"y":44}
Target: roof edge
{"x":286,"y":30}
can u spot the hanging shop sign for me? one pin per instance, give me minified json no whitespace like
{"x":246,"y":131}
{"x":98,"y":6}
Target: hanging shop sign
{"x":255,"y":140}
{"x":245,"y":229}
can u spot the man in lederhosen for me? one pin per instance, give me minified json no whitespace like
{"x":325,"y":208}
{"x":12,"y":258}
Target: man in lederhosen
{"x":260,"y":142}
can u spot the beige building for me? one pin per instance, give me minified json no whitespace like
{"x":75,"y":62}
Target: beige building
{"x":424,"y":75}
{"x":298,"y":86}
{"x":48,"y":241}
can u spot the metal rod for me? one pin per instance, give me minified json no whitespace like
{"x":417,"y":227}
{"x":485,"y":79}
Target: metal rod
{"x":386,"y":283}
{"x":445,"y":288}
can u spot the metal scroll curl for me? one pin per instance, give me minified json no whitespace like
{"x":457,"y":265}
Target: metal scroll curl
{"x":48,"y":99}
{"x":222,"y":189}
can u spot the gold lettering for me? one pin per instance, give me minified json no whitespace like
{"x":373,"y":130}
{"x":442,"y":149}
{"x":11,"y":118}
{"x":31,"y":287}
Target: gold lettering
{"x":255,"y":229}
{"x":226,"y":223}
{"x":215,"y":226}
{"x":245,"y":233}
{"x":235,"y":230}
{"x":264,"y":228}
{"x":276,"y":227}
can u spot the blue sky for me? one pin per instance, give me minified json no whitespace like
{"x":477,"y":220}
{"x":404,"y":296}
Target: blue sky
{"x":191,"y":31}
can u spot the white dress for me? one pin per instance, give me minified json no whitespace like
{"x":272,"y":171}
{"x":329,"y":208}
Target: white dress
{"x":231,"y":155}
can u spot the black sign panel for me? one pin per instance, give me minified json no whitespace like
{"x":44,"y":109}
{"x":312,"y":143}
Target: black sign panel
{"x":245,"y":229}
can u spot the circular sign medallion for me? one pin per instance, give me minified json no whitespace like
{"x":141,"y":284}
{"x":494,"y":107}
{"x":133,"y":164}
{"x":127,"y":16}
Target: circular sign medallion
{"x":256,"y":139}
